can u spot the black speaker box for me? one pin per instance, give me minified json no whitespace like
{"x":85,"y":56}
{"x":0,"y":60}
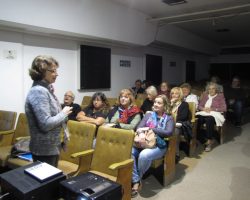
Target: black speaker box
{"x":90,"y":186}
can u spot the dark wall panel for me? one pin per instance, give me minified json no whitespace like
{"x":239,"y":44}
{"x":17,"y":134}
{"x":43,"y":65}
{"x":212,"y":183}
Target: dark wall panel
{"x":95,"y":67}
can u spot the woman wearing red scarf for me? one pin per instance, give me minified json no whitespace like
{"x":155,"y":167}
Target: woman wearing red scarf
{"x":126,"y":114}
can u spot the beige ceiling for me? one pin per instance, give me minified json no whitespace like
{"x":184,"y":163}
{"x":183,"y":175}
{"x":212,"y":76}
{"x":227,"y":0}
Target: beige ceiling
{"x":225,"y":22}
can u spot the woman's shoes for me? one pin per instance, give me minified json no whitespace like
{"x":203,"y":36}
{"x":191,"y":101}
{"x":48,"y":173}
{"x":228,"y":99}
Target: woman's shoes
{"x":208,"y":148}
{"x":209,"y":145}
{"x":136,"y":187}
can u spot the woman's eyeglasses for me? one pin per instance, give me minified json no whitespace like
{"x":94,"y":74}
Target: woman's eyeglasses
{"x":52,"y":70}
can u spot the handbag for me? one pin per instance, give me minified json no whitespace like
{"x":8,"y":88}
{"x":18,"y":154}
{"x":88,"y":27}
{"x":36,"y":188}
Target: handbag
{"x":21,"y":146}
{"x":145,"y":139}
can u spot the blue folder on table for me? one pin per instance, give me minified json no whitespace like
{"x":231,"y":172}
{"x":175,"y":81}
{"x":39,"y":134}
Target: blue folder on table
{"x":25,"y":156}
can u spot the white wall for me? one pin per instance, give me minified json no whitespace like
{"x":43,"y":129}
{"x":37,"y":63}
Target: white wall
{"x":175,"y":36}
{"x":11,"y":86}
{"x":98,"y":19}
{"x":86,"y":18}
{"x":16,"y":81}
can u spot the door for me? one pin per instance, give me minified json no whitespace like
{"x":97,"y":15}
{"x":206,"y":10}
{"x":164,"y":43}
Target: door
{"x":190,"y":71}
{"x":154,"y":69}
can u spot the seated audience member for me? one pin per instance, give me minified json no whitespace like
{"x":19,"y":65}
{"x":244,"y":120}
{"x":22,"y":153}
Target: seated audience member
{"x":69,"y":98}
{"x":180,"y":112}
{"x":126,"y":114}
{"x":216,"y":79}
{"x":97,"y":110}
{"x":164,"y":89}
{"x":162,"y":124}
{"x":147,"y":104}
{"x":138,"y":89}
{"x":211,"y":105}
{"x":187,"y":95}
{"x":145,"y":84}
{"x":235,"y":98}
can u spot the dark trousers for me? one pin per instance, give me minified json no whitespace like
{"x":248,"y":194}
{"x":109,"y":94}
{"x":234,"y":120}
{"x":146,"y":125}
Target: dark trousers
{"x":210,"y":122}
{"x":237,"y":108}
{"x":52,"y":160}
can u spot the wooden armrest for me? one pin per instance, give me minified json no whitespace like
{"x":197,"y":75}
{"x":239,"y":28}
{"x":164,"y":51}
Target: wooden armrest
{"x":167,"y":139}
{"x":122,"y":164}
{"x":7,"y":132}
{"x":82,"y":153}
{"x":24,"y":137}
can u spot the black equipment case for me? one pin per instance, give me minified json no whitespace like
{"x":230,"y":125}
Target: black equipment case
{"x":90,"y":186}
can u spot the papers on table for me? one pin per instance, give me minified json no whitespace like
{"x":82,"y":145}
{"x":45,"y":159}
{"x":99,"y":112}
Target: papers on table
{"x":43,"y":171}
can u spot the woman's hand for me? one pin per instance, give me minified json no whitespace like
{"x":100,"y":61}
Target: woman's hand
{"x":208,"y":110}
{"x":143,"y":129}
{"x":67,"y":110}
{"x":173,"y":100}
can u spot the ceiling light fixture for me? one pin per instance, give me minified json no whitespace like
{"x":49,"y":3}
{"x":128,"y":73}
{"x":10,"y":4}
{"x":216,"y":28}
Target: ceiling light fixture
{"x":174,"y":2}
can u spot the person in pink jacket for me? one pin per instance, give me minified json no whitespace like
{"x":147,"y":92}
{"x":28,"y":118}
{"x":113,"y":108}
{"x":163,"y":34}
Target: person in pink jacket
{"x":212,"y":105}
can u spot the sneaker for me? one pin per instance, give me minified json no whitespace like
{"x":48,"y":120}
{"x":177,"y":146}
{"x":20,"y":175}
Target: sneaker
{"x":208,"y":147}
{"x":134,"y":193}
{"x":135,"y":189}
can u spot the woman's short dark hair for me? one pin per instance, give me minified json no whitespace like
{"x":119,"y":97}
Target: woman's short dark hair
{"x":103,"y":98}
{"x":40,"y":65}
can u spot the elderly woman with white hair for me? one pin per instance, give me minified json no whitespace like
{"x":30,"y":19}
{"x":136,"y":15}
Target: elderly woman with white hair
{"x":148,"y":103}
{"x":211,"y":106}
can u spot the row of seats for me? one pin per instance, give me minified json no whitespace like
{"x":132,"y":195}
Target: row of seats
{"x":111,"y":157}
{"x":80,"y":157}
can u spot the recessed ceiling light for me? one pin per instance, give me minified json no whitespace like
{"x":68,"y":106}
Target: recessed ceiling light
{"x":174,"y":2}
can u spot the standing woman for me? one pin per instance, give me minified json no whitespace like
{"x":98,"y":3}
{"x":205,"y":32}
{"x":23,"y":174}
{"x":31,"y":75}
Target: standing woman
{"x":162,"y":124}
{"x":44,"y":113}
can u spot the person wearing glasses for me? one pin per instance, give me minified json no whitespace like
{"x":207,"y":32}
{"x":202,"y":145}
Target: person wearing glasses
{"x":45,"y":116}
{"x":211,"y":107}
{"x":68,"y":100}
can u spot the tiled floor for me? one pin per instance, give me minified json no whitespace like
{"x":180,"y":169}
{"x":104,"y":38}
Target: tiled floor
{"x":223,"y":173}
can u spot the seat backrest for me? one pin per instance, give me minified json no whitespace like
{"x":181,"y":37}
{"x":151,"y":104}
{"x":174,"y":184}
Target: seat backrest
{"x":139,"y":102}
{"x":22,"y":128}
{"x":192,"y":110}
{"x":81,"y":138}
{"x":112,"y":145}
{"x":141,"y":96}
{"x":85,"y":101}
{"x":112,"y":101}
{"x":7,"y":120}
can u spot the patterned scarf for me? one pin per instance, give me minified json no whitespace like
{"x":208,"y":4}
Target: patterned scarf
{"x":125,"y":114}
{"x":152,"y":121}
{"x":66,"y":136}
